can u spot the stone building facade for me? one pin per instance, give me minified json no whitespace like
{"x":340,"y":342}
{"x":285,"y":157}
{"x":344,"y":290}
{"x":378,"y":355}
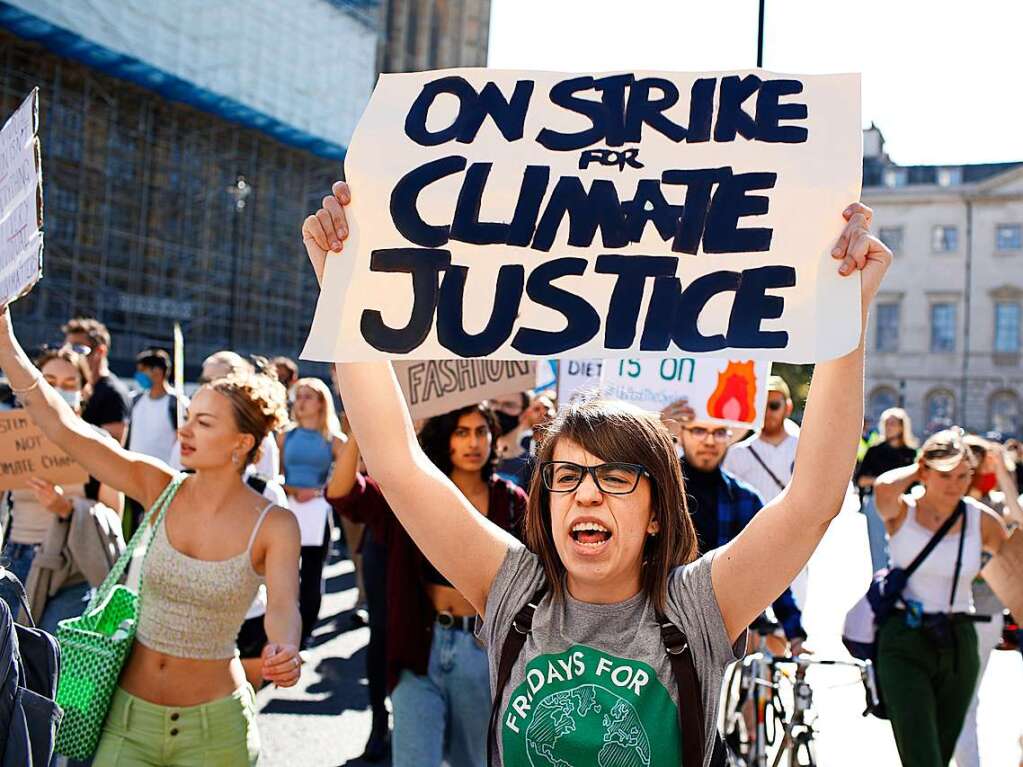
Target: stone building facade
{"x":945,"y":335}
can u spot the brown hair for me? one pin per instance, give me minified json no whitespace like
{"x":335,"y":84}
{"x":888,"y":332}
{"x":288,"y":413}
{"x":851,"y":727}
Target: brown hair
{"x":616,"y":431}
{"x":73,"y":358}
{"x":89,"y":326}
{"x":259,"y":404}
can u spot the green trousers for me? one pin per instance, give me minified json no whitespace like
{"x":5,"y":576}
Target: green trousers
{"x":217,"y":734}
{"x":926,"y":690}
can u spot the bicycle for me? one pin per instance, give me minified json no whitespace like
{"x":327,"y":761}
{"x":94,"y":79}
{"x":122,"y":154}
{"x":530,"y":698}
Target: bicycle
{"x":763,"y":678}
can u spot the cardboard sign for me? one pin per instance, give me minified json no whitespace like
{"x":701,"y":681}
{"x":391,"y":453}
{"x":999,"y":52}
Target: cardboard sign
{"x":1004,"y":573}
{"x":21,"y":202}
{"x":729,"y":391}
{"x":26,"y":453}
{"x":529,"y":215}
{"x":577,"y":377}
{"x":432,"y":387}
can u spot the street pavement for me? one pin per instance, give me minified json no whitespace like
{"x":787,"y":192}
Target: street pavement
{"x":325,"y":720}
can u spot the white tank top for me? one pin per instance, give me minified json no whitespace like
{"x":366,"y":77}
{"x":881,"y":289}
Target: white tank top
{"x":931,"y":584}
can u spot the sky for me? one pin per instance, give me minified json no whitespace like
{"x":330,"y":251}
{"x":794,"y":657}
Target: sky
{"x":942,"y":80}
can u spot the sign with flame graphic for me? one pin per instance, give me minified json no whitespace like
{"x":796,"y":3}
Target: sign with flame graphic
{"x":731,"y":391}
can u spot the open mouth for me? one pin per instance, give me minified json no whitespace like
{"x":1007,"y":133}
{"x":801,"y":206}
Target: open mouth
{"x":590,"y":534}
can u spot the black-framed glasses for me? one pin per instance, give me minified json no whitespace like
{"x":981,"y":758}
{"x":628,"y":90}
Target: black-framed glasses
{"x":611,"y":478}
{"x":720,"y":435}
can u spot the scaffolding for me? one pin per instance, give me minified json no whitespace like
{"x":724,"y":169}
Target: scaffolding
{"x":142,"y":228}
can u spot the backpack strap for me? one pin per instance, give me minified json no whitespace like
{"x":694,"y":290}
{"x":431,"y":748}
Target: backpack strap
{"x":513,"y":643}
{"x":763,"y":465}
{"x":690,"y":704}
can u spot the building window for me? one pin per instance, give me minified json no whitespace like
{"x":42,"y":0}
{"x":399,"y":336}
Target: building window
{"x":945,"y":239}
{"x":1004,"y":413}
{"x":882,"y":398}
{"x":943,"y":327}
{"x":894,"y":176}
{"x":939,"y":410}
{"x":1009,"y":237}
{"x":892,"y":237}
{"x":949,"y":176}
{"x":1007,"y":316}
{"x":886,"y":337}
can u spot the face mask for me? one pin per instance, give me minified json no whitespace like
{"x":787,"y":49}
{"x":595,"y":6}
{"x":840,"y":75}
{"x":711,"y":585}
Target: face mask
{"x":73,"y":398}
{"x":143,"y":380}
{"x":506,"y":422}
{"x":986,"y":482}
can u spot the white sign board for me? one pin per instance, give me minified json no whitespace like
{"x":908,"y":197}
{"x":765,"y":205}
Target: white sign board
{"x":577,"y":377}
{"x":432,"y":387}
{"x":730,"y":391}
{"x":522,"y":215}
{"x":21,"y":202}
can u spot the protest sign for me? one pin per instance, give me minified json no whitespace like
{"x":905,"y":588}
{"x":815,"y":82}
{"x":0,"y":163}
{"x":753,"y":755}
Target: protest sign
{"x":527,"y":215}
{"x":733,"y":392}
{"x":576,"y":377}
{"x":1004,"y":573}
{"x":21,"y":202}
{"x":432,"y":387}
{"x":25,"y":453}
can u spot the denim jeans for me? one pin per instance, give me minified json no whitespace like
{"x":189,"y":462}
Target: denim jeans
{"x":445,"y":714}
{"x":877,"y":537}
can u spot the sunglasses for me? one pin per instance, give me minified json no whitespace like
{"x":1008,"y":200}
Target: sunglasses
{"x":775,"y":404}
{"x":610,"y":478}
{"x":81,"y":349}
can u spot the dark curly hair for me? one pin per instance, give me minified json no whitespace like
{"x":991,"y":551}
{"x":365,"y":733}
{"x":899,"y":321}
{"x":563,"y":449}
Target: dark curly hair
{"x":435,"y":438}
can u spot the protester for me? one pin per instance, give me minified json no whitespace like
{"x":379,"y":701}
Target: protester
{"x":355,"y":498}
{"x":436,"y":671}
{"x":109,"y":404}
{"x":308,"y":449}
{"x":218,"y":542}
{"x":765,"y":459}
{"x":154,"y":411}
{"x":516,"y":448}
{"x":609,"y":545}
{"x":928,"y":658}
{"x":721,"y":505}
{"x":897,"y":450}
{"x":38,"y":547}
{"x":995,"y":487}
{"x":286,"y":370}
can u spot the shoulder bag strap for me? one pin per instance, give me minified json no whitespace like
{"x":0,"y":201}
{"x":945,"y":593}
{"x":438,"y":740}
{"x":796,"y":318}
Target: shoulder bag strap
{"x":935,"y":539}
{"x":690,"y":704}
{"x":513,"y":643}
{"x":770,"y":473}
{"x":117,"y":571}
{"x":959,"y":555}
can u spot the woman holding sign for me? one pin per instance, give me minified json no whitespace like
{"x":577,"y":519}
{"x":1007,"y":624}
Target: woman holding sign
{"x":577,"y":621}
{"x":182,"y":695}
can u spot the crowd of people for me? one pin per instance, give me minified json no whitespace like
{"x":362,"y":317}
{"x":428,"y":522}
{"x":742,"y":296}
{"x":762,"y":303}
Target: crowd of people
{"x":504,"y":547}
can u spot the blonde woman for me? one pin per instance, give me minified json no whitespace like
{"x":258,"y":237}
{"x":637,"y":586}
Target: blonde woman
{"x":308,"y":450}
{"x":897,"y":450}
{"x":182,"y":697}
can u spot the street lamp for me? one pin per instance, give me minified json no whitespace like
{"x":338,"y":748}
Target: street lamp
{"x":239,"y":191}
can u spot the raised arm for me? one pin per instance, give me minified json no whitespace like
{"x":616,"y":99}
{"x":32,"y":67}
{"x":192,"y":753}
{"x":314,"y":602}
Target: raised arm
{"x":138,"y":476}
{"x":755,"y":567}
{"x":342,"y":479}
{"x":460,"y":542}
{"x":889,"y":489}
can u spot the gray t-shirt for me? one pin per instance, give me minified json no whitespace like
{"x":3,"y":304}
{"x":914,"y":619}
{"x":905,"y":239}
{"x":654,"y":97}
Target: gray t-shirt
{"x":593,"y":683}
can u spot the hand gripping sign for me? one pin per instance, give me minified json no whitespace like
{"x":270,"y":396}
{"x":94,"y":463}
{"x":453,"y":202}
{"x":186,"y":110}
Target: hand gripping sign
{"x":519,"y":215}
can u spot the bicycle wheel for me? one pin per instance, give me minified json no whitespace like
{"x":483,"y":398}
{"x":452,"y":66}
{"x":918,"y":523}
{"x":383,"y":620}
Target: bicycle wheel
{"x":733,"y":725}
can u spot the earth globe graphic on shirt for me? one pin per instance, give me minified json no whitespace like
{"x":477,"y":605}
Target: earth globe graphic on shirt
{"x":586,"y":726}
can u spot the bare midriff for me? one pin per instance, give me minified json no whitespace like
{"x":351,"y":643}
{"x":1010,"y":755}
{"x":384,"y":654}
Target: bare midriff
{"x":447,"y":599}
{"x":170,"y":681}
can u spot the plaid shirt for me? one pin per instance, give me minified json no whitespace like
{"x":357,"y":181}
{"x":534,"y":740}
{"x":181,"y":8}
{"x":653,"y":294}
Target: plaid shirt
{"x":737,"y":503}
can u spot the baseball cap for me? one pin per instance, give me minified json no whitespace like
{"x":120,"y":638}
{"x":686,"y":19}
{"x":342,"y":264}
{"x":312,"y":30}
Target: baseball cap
{"x":777,"y":383}
{"x":945,"y":450}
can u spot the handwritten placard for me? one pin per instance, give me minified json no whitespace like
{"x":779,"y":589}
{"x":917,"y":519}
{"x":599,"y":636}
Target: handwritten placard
{"x":578,"y":377}
{"x":25,"y":452}
{"x":21,"y":202}
{"x":518,"y":215}
{"x":729,"y":391}
{"x":432,"y":387}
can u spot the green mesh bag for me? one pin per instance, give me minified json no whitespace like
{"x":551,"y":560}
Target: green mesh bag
{"x":93,"y":647}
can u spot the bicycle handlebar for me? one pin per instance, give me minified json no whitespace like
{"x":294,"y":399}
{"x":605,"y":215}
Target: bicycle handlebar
{"x":803,"y":661}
